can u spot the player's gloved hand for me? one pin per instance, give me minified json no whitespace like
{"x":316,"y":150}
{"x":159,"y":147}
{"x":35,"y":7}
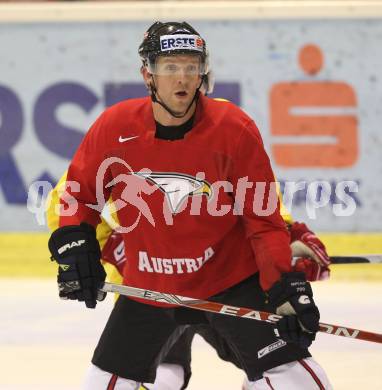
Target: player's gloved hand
{"x":113,"y":251}
{"x":292,"y":297}
{"x":80,"y":272}
{"x":312,"y":258}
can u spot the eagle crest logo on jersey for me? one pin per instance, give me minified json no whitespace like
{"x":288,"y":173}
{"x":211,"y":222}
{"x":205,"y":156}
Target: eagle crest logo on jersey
{"x":177,"y":187}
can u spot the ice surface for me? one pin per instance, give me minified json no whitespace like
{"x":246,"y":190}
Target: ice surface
{"x":46,"y":343}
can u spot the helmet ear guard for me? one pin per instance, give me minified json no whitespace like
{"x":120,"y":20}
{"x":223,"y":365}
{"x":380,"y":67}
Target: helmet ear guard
{"x":208,"y":83}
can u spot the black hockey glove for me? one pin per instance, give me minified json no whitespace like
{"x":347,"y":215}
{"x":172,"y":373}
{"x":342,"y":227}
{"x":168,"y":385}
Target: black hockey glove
{"x":292,"y":297}
{"x":80,"y":272}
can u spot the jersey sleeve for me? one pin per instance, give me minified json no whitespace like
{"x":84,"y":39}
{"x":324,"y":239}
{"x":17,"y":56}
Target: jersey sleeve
{"x":260,"y":206}
{"x":103,"y":230}
{"x":85,"y":191}
{"x":52,"y":216}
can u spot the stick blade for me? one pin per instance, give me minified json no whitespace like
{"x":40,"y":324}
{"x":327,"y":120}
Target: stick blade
{"x":356,"y":259}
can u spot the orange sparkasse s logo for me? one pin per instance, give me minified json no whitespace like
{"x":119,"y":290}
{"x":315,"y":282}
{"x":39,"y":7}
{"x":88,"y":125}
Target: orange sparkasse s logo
{"x":314,"y":121}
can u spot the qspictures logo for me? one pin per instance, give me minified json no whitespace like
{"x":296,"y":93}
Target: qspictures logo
{"x":183,"y":193}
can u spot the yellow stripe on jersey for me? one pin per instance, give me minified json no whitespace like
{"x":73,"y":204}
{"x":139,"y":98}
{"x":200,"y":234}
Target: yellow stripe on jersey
{"x":52,"y":202}
{"x":103,"y":229}
{"x":52,"y":216}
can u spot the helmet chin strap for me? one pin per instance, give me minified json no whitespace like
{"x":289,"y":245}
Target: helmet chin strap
{"x":154,"y":92}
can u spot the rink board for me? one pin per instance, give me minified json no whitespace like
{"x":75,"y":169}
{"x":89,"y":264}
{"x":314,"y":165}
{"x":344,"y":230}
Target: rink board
{"x":27,"y":255}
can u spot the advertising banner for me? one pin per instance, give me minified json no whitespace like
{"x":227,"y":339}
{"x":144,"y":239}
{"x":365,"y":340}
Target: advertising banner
{"x":312,"y":86}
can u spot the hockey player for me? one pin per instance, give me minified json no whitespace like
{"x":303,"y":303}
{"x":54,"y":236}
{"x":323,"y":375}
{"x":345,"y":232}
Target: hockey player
{"x":175,"y":369}
{"x":241,"y":257}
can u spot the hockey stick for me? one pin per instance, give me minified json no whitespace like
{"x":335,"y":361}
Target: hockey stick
{"x":356,"y":259}
{"x":235,"y":311}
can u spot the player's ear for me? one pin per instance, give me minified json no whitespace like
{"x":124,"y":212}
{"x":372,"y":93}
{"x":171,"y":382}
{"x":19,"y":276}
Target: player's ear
{"x":147,"y":76}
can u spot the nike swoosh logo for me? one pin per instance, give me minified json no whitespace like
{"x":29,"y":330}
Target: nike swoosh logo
{"x":123,"y":139}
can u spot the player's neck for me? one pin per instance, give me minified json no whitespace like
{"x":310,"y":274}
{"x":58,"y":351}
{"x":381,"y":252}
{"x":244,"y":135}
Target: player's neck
{"x":162,"y":116}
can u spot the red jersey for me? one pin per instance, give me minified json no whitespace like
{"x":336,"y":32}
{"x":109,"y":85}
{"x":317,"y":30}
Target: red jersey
{"x":187,"y":205}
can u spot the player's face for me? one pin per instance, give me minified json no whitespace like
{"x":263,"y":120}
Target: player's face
{"x":176,"y":79}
